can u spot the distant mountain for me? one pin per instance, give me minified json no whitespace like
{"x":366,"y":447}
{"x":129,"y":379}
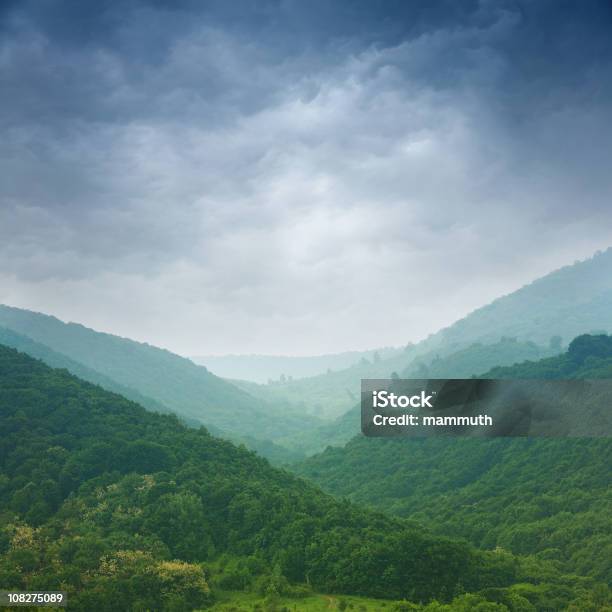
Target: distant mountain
{"x":573,"y":300}
{"x":548,"y":312}
{"x":117,"y":504}
{"x":265,"y":368}
{"x":547,"y":497}
{"x":465,"y":363}
{"x":326,"y":396}
{"x":330,"y":396}
{"x":478,"y":358}
{"x":157,"y":377}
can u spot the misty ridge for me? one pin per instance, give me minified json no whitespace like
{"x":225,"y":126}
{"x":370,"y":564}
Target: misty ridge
{"x":289,"y":418}
{"x":271,"y":368}
{"x":510,"y":407}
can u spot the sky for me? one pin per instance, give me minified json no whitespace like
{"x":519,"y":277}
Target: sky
{"x":290,"y":177}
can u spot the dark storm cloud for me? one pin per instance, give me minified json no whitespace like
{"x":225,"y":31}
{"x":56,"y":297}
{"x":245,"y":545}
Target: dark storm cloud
{"x":241,"y":166}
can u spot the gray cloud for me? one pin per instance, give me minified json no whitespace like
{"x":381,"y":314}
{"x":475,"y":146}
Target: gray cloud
{"x":273,"y":179}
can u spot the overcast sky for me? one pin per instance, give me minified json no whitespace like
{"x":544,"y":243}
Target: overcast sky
{"x":295,"y":176}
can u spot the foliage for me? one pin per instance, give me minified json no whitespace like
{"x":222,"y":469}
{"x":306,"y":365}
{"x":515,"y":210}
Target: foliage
{"x":544,"y":497}
{"x":114,"y":503}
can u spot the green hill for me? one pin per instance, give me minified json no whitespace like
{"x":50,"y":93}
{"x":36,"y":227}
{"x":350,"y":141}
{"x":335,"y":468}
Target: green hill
{"x":573,"y":300}
{"x":150,"y":375}
{"x":588,"y":356}
{"x":57,"y":360}
{"x":478,"y":358}
{"x":546,"y":497}
{"x":131,"y":510}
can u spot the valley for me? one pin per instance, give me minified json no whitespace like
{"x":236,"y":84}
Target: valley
{"x":121,"y":473}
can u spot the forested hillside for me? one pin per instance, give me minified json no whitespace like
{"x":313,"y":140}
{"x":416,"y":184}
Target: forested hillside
{"x":144,"y":371}
{"x":573,"y":300}
{"x":479,"y":357}
{"x":57,"y":360}
{"x":546,"y":497}
{"x":588,"y":356}
{"x":130,"y":510}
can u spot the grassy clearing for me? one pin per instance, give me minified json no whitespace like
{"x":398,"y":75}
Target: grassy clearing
{"x":229,"y":601}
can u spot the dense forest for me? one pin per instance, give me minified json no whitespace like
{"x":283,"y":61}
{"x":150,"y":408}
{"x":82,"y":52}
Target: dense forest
{"x":278,"y":421}
{"x":549,"y":498}
{"x":127,"y":509}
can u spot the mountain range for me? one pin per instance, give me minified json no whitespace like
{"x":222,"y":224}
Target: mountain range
{"x":277,"y":368}
{"x":540,"y":318}
{"x":157,"y":378}
{"x":290,"y":418}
